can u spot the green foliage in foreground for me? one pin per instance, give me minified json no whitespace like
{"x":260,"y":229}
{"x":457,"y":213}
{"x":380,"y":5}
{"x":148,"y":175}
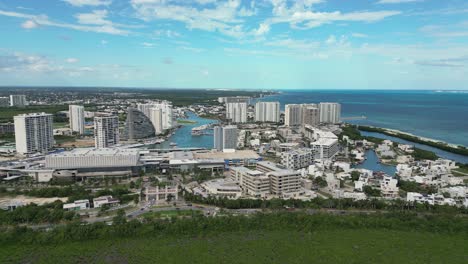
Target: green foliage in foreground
{"x":322,"y":246}
{"x":262,"y":238}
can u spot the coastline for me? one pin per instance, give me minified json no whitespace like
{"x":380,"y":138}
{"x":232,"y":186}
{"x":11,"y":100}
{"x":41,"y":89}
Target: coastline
{"x":439,"y":144}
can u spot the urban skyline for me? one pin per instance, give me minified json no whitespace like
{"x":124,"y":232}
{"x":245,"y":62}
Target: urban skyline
{"x":280,"y":44}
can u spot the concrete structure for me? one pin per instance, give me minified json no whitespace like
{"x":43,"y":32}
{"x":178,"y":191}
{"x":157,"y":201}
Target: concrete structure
{"x":93,"y":158}
{"x":252,"y":182}
{"x":162,"y":118}
{"x":330,"y":113}
{"x":106,"y":131}
{"x":18,"y":100}
{"x":76,"y":117}
{"x":325,"y":148}
{"x":105,"y":200}
{"x":234,"y":99}
{"x":310,"y":115}
{"x":77,"y":205}
{"x":297,"y":158}
{"x":7,"y":128}
{"x":164,"y":193}
{"x":222,"y":188}
{"x":137,"y":125}
{"x":225,"y":138}
{"x":4,"y":101}
{"x":34,"y":133}
{"x":267,"y":112}
{"x":293,"y":115}
{"x":236,"y":112}
{"x":388,"y":187}
{"x":284,"y":183}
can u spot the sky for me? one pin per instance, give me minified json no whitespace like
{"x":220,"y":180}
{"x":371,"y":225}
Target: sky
{"x":258,"y":44}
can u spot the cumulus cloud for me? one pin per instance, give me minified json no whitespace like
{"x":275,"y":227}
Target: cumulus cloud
{"x":72,"y":60}
{"x":29,"y":24}
{"x":80,"y":3}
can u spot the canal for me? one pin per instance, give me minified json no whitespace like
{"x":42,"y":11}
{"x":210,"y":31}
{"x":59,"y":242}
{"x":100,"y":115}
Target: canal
{"x":372,"y":163}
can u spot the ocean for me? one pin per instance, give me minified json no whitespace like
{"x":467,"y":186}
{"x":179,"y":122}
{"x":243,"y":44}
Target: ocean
{"x":441,"y":115}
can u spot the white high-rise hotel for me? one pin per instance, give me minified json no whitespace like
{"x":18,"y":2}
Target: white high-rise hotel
{"x":160,"y":114}
{"x":236,"y":112}
{"x":225,"y":138}
{"x":106,"y":131}
{"x":34,"y":133}
{"x":76,"y":117}
{"x":18,"y":100}
{"x":330,"y":113}
{"x":267,"y":112}
{"x":293,"y":115}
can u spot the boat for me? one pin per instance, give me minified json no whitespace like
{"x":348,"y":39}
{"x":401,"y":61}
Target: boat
{"x":172,"y":144}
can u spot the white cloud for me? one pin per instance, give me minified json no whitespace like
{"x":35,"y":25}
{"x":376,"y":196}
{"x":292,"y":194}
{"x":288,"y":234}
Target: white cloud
{"x":72,"y":60}
{"x":43,"y":20}
{"x":262,"y":29}
{"x":29,"y":24}
{"x":147,"y":44}
{"x":88,"y":2}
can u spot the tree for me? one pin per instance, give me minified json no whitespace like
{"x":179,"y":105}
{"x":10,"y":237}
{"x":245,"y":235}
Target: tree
{"x":371,"y":192}
{"x":120,"y":218}
{"x":355,"y":175}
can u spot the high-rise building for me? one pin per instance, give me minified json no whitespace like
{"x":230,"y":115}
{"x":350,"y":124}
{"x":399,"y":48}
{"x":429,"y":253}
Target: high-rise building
{"x":236,"y":112}
{"x":162,"y":122}
{"x":34,"y":133}
{"x":4,"y":101}
{"x":18,"y":100}
{"x":310,"y":114}
{"x":235,"y":99}
{"x":330,"y":113}
{"x":137,"y":125}
{"x":76,"y":117}
{"x":293,"y":115}
{"x":267,"y":112}
{"x":225,"y":138}
{"x":106,"y":131}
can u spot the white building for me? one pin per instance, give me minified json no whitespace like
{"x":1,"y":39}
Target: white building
{"x":162,"y":118}
{"x":252,"y":182}
{"x":18,"y":100}
{"x":4,"y":101}
{"x":225,"y":138}
{"x":222,"y":188}
{"x":325,"y":148}
{"x":106,"y":131}
{"x":105,"y":200}
{"x":77,"y":205}
{"x":330,"y":113}
{"x":93,"y":158}
{"x":293,"y":115}
{"x":236,"y":112}
{"x":34,"y":133}
{"x":310,"y":114}
{"x":76,"y":117}
{"x":388,"y":187}
{"x":267,"y":112}
{"x":297,"y":158}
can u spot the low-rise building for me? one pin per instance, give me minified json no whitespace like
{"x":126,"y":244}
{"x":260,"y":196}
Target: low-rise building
{"x":298,"y":158}
{"x":325,"y":148}
{"x":389,"y":188}
{"x":77,"y":205}
{"x":222,"y":188}
{"x":105,"y":200}
{"x":162,"y":193}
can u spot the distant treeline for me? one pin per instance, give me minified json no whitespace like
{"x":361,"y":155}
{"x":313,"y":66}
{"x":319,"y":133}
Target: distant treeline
{"x":461,"y":150}
{"x":200,"y":226}
{"x":330,"y":203}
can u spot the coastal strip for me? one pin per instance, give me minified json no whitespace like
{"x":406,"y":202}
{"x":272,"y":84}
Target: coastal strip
{"x":456,"y":149}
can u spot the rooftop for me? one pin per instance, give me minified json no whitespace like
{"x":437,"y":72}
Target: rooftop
{"x":238,"y":154}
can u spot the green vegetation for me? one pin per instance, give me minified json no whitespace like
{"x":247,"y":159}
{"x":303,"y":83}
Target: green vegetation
{"x":320,"y":182}
{"x":262,"y":238}
{"x":410,"y":186}
{"x":210,"y":116}
{"x":421,"y":154}
{"x":330,"y":203}
{"x":7,"y":113}
{"x":461,"y":150}
{"x":59,"y":139}
{"x":185,"y":121}
{"x":353,"y":133}
{"x":7,"y":137}
{"x":168,"y":214}
{"x":371,"y":192}
{"x":35,"y":214}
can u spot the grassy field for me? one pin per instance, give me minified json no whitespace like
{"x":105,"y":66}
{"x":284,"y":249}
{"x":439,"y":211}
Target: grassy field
{"x":184,"y":121}
{"x":324,"y":246}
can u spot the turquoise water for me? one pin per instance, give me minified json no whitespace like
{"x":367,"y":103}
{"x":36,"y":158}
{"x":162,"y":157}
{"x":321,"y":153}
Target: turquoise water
{"x":432,"y":114}
{"x":183,"y":136}
{"x":371,"y":163}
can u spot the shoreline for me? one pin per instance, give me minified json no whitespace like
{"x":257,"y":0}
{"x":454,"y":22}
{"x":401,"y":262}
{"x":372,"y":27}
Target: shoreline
{"x":438,"y":144}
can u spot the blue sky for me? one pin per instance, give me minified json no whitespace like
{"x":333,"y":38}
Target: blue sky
{"x":261,"y":44}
